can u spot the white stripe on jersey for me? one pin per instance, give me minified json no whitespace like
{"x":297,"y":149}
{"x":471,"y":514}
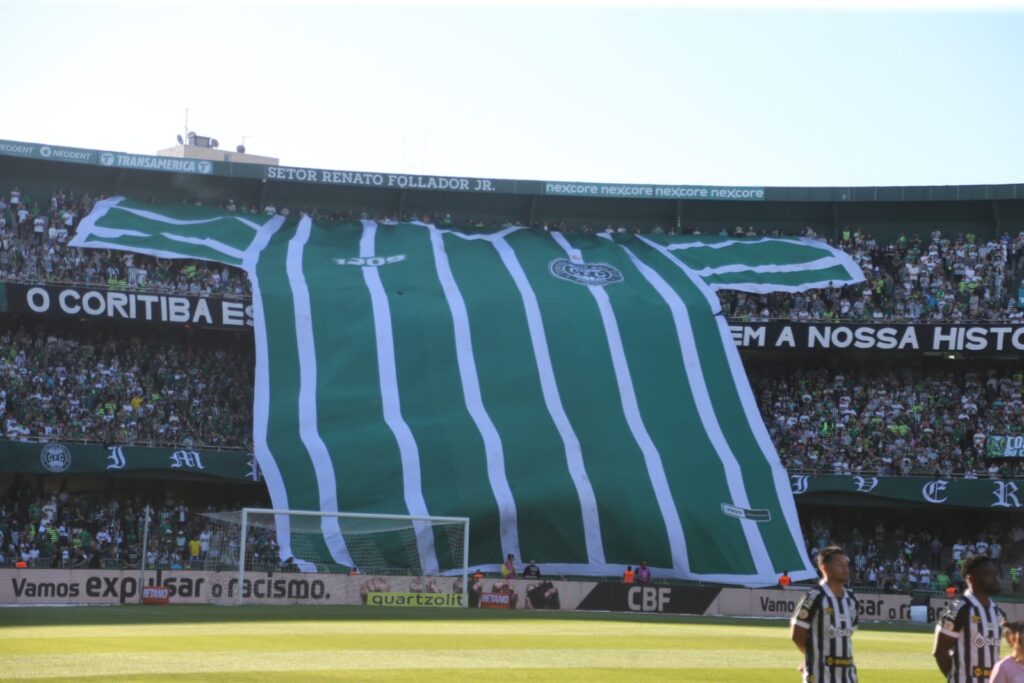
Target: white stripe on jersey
{"x":553,"y":402}
{"x":702,"y":401}
{"x":634,"y":420}
{"x":309,"y":431}
{"x":412,"y":480}
{"x":757,"y":427}
{"x":508,"y":525}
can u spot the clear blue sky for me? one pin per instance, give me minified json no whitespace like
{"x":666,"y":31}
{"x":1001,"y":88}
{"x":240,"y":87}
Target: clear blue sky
{"x":655,"y":94}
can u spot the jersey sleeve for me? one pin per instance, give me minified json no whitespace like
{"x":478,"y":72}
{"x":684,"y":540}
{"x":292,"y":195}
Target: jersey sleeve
{"x":807,"y":609}
{"x":169,"y":231}
{"x":770,"y":264}
{"x":856,"y":609}
{"x":954,"y":619}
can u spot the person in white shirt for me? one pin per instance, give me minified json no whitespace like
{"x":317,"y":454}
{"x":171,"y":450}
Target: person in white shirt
{"x":958,"y":550}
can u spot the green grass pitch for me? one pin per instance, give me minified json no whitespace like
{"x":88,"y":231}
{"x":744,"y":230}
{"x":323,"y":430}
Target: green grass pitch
{"x":192,"y":643}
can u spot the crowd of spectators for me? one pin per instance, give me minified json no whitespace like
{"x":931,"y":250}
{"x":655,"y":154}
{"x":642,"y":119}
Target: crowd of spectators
{"x":902,"y":559}
{"x":943,"y":277}
{"x":154,"y":387}
{"x":890,"y":418}
{"x":149,"y":387}
{"x":34,"y":248}
{"x":65,"y":530}
{"x":104,"y":531}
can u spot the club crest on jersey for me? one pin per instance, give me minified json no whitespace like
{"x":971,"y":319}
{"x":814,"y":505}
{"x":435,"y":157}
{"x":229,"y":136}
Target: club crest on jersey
{"x":589,"y":274}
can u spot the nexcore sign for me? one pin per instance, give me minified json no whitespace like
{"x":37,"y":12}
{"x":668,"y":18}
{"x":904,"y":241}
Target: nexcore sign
{"x":622,"y":190}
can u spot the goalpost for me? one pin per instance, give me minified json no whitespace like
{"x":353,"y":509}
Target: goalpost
{"x":400,"y":553}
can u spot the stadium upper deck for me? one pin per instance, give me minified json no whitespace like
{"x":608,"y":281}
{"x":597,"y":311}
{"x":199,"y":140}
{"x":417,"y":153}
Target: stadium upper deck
{"x":984,"y":210}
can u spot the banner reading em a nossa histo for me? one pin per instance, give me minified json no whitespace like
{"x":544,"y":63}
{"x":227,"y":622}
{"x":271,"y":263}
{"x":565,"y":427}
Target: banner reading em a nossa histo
{"x":799,"y":336}
{"x":116,"y":304}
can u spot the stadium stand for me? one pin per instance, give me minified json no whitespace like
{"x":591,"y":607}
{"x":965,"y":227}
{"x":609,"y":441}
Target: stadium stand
{"x":941,"y":277}
{"x":119,"y":382}
{"x":126,"y":387}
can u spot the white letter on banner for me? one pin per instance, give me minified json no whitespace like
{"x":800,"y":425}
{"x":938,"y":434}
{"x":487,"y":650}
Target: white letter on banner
{"x":42,"y":295}
{"x":177,"y":309}
{"x":62,"y":301}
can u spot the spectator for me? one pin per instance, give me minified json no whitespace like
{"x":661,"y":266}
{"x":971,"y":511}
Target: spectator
{"x":508,"y":567}
{"x":531,"y":571}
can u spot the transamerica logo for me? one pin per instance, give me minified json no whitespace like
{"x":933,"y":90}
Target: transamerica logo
{"x":933,"y":489}
{"x":55,"y":457}
{"x":589,"y":274}
{"x":156,"y":163}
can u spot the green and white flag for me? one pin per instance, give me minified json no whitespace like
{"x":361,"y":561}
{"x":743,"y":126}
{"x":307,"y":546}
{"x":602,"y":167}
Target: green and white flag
{"x":578,"y":397}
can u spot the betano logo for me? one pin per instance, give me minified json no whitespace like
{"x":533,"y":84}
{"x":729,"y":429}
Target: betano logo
{"x":414,"y":599}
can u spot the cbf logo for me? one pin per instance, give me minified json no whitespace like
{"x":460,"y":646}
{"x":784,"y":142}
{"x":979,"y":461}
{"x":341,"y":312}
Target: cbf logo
{"x":865,"y":484}
{"x":186,"y":460}
{"x":107,"y":158}
{"x":799,"y":483}
{"x":934,"y":489}
{"x":55,"y":457}
{"x":116,"y":459}
{"x":590,"y":274}
{"x":1006,"y":494}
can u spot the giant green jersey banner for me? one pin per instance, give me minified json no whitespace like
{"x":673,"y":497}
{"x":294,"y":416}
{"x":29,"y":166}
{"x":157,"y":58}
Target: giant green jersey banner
{"x":578,"y":397}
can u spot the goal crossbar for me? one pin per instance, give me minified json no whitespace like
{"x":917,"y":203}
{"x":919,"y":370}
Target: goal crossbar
{"x":462,"y":521}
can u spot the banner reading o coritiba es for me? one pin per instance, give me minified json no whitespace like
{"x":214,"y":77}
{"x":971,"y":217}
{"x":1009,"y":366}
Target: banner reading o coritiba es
{"x":579,"y":397}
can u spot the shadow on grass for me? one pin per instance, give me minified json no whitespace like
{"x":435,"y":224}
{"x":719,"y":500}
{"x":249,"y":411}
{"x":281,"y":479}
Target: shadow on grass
{"x":16,"y":617}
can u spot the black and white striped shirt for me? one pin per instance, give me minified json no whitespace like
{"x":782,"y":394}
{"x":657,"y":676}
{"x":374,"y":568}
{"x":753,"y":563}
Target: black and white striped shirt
{"x":978,"y":630}
{"x":831,"y":621}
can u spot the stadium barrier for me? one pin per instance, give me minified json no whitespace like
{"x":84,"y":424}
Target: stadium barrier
{"x":112,"y":587}
{"x":936,"y":606}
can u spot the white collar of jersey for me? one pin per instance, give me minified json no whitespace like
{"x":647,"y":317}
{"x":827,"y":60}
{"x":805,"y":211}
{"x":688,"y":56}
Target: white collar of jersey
{"x":828,"y":590}
{"x":982,"y":609}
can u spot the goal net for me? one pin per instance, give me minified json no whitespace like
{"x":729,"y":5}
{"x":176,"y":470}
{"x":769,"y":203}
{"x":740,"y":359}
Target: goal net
{"x":405,"y":554}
